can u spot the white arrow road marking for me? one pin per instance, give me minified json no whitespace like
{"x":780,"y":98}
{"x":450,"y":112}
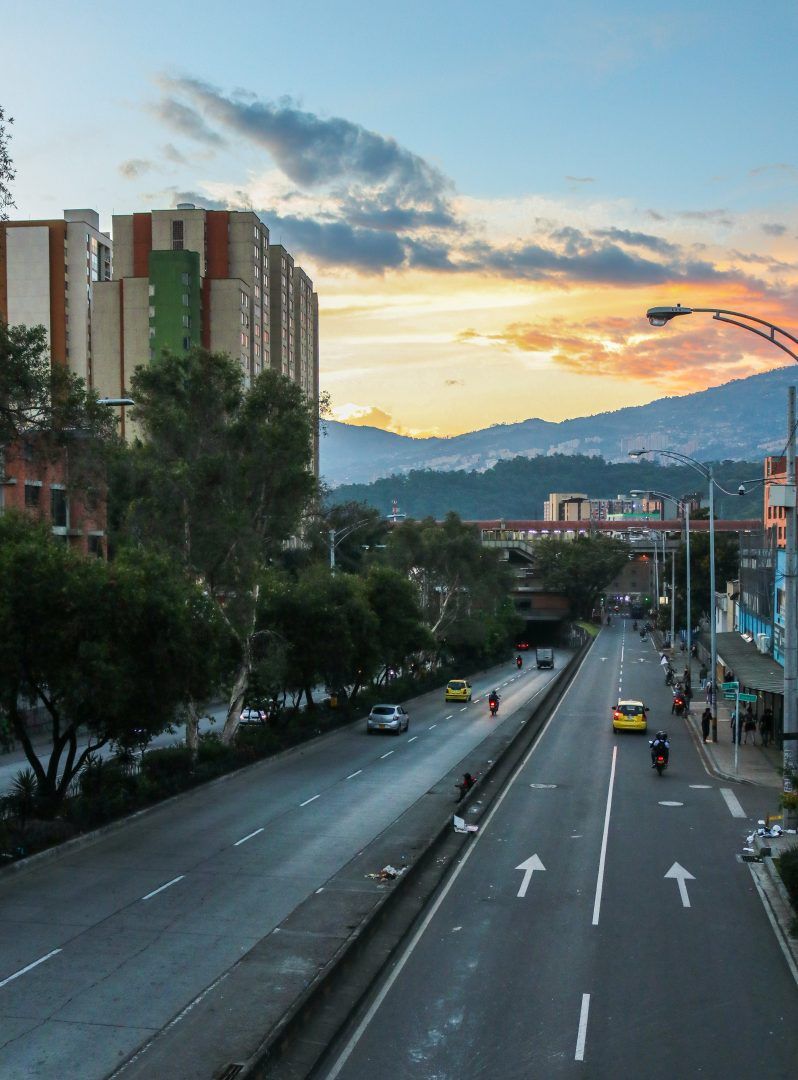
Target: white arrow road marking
{"x":667,"y":802}
{"x":682,"y":876}
{"x":701,"y":787}
{"x":529,"y":866}
{"x":543,"y":786}
{"x":732,"y":802}
{"x":603,"y":658}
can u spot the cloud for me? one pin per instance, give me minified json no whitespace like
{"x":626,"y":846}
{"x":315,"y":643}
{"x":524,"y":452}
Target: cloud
{"x":581,"y":179}
{"x":187,"y":121}
{"x":778,"y":166}
{"x":171,"y":153}
{"x":774,"y":229}
{"x":338,"y":243}
{"x":314,"y":150}
{"x":373,"y":416}
{"x":134,"y":167}
{"x":623,"y":349}
{"x":453,"y":382}
{"x":638,"y":239}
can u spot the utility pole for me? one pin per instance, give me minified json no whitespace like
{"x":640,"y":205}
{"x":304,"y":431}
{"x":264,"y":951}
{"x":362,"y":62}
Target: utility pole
{"x":713,"y":624}
{"x":790,"y":728}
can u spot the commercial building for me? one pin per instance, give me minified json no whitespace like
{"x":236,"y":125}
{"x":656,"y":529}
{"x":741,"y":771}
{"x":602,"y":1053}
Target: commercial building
{"x":50,"y":271}
{"x":775,"y":511}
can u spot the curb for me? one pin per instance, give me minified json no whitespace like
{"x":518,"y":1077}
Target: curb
{"x":783,"y":912}
{"x":321,"y":991}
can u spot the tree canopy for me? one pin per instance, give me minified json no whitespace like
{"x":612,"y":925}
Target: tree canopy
{"x":579,"y":569}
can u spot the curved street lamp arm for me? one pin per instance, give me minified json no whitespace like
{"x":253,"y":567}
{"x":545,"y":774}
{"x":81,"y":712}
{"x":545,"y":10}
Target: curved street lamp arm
{"x":721,"y":315}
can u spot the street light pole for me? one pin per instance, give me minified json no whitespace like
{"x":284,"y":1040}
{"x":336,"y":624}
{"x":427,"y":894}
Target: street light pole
{"x":713,"y":625}
{"x":673,"y":595}
{"x":790,"y":722}
{"x":689,"y":617}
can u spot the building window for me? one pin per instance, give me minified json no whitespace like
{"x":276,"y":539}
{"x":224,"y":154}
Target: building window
{"x":33,"y":495}
{"x":187,"y":343}
{"x":152,"y":331}
{"x":185,"y":299}
{"x":177,"y":236}
{"x":187,"y":321}
{"x":152,"y":312}
{"x":152,"y":290}
{"x":59,"y":508}
{"x":184,"y":278}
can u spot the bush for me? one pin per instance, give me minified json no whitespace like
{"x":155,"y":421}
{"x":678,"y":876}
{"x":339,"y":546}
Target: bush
{"x":212,"y":750}
{"x":788,"y":868}
{"x":169,"y":769}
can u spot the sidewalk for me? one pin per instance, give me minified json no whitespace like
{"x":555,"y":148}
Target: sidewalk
{"x":756,"y":764}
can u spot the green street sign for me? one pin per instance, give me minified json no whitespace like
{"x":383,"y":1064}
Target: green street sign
{"x":730,"y":697}
{"x":730,"y":685}
{"x":747,"y":697}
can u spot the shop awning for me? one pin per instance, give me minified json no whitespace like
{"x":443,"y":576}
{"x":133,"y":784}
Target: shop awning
{"x":754,"y":670}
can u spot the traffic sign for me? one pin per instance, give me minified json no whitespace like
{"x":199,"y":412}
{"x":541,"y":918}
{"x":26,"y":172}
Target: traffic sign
{"x":730,"y":697}
{"x":747,"y":697}
{"x":729,"y":685}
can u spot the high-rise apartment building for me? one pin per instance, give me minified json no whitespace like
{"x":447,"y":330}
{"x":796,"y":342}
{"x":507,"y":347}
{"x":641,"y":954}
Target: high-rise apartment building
{"x":49,"y":274}
{"x":281,"y":295}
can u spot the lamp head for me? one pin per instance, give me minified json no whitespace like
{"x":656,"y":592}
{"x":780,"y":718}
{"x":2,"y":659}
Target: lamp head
{"x":658,"y":316}
{"x":637,"y":453}
{"x":741,"y":489}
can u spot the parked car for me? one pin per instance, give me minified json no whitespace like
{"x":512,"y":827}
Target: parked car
{"x":458,"y":690}
{"x":252,"y":716}
{"x":392,"y":718}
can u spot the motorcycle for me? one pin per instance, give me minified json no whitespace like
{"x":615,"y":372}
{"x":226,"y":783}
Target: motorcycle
{"x":679,"y":704}
{"x":493,"y":705}
{"x":519,"y":662}
{"x":660,"y":763}
{"x":643,"y":634}
{"x":669,"y":676}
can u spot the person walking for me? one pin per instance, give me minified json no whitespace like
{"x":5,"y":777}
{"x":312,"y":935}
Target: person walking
{"x":766,"y":726}
{"x":749,"y":725}
{"x":734,"y":725}
{"x":706,"y":720}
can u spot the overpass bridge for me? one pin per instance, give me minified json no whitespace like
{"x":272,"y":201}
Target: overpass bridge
{"x":516,"y":540}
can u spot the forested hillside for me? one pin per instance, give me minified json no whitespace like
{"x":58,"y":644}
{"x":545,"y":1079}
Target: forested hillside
{"x":518,"y":488}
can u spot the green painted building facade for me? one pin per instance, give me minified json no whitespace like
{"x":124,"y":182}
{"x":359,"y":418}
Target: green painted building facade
{"x":174,"y":301}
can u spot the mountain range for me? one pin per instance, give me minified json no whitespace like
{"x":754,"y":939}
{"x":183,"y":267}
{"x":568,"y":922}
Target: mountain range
{"x":741,"y":420}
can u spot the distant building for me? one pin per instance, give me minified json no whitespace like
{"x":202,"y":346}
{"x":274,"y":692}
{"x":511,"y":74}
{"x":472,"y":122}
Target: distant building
{"x":49,"y":274}
{"x":774,"y":514}
{"x":566,"y":506}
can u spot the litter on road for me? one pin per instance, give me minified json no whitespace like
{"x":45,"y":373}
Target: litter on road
{"x":461,"y":827}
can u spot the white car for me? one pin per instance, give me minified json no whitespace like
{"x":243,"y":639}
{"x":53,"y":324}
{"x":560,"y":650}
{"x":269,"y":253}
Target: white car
{"x":252,"y":716}
{"x":387,"y":718}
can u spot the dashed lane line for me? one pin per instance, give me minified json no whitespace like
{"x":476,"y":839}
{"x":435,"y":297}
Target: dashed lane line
{"x":413,"y":739}
{"x":582,"y":1033}
{"x":29,"y":967}
{"x":310,"y":800}
{"x":161,"y":888}
{"x":386,"y":755}
{"x":352,"y":775}
{"x":249,"y":836}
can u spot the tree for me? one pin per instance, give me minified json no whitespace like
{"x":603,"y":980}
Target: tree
{"x":7,"y":171}
{"x":108,"y":648}
{"x":400,"y":627}
{"x":221,"y":478}
{"x":579,"y":569}
{"x":358,"y":529}
{"x":460,"y":585}
{"x":727,"y":568}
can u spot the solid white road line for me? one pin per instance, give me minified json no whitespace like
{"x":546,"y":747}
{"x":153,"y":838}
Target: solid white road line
{"x":244,"y":839}
{"x":313,"y":799}
{"x":603,"y":856}
{"x":732,"y":802}
{"x":29,"y":967}
{"x":161,"y":888}
{"x":435,"y":725}
{"x":386,"y":755}
{"x":397,"y":970}
{"x":582,"y":1033}
{"x":413,"y":739}
{"x":354,"y":774}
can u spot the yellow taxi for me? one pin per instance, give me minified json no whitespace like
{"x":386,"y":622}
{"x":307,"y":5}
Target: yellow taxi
{"x":458,"y":690}
{"x":629,"y":716}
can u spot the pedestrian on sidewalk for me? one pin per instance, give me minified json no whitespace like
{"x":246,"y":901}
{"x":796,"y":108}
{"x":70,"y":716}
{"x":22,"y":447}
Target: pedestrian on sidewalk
{"x":749,"y":725}
{"x":766,"y":726}
{"x":706,"y":720}
{"x":734,"y":726}
{"x":702,"y":675}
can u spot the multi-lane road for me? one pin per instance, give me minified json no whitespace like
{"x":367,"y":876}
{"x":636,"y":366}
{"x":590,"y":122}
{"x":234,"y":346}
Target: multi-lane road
{"x":601,"y":923}
{"x":102,"y":947}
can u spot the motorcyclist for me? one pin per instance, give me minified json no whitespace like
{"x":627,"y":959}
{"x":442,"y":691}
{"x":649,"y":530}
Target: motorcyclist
{"x":679,"y":701}
{"x":493,"y":701}
{"x":519,"y":661}
{"x":659,"y":745}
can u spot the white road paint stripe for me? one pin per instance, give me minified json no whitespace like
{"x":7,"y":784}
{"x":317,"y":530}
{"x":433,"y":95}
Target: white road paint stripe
{"x":603,"y":856}
{"x":397,"y":970}
{"x":413,"y":739}
{"x":386,"y":755}
{"x":29,"y":967}
{"x":352,"y":775}
{"x":435,"y":725}
{"x":582,"y":1033}
{"x":464,"y":708}
{"x":732,"y":802}
{"x":244,"y":839}
{"x":449,"y":717}
{"x":313,"y":799}
{"x":161,"y":888}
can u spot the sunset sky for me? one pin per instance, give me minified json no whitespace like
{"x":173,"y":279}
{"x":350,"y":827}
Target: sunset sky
{"x":488,"y":196}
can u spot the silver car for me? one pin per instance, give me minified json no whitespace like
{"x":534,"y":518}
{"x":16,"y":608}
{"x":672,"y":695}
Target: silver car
{"x":387,"y":718}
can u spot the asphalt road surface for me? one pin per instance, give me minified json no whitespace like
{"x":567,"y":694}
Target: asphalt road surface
{"x":611,"y":962}
{"x":104,"y":946}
